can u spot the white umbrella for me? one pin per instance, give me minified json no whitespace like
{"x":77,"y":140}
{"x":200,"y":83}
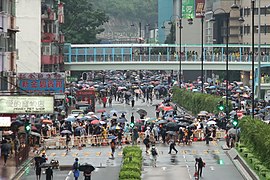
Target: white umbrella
{"x":211,"y":123}
{"x":90,"y":113}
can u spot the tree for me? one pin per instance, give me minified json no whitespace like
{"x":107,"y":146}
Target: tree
{"x":82,"y":22}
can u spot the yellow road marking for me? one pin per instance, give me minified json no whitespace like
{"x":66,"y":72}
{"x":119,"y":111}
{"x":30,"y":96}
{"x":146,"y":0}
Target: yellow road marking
{"x":194,"y":151}
{"x":63,"y":154}
{"x":98,"y":153}
{"x":120,"y":154}
{"x":53,"y":154}
{"x":86,"y":153}
{"x":205,"y":151}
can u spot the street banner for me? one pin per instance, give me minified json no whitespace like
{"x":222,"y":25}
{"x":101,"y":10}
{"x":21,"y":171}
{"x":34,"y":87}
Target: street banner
{"x":5,"y":122}
{"x":42,"y":83}
{"x":188,"y":9}
{"x":26,"y":104}
{"x":200,"y":4}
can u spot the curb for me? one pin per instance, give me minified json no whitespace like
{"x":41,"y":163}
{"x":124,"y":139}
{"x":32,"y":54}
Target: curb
{"x":241,"y":165}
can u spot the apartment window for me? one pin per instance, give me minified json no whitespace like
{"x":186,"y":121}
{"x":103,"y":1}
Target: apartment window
{"x":46,"y":50}
{"x":267,"y":29}
{"x":1,"y":5}
{"x":247,"y":30}
{"x":246,"y":11}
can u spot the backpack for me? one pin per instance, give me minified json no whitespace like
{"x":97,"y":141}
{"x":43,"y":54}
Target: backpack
{"x":76,"y":166}
{"x":154,"y":152}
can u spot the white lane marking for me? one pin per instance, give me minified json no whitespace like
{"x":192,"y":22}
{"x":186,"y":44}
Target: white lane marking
{"x":68,"y":175}
{"x":212,"y":168}
{"x":190,"y":176}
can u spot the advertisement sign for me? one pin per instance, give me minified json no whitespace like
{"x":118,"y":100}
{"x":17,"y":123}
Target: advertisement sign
{"x":42,"y":83}
{"x":199,"y":8}
{"x":26,"y":104}
{"x":5,"y":122}
{"x":188,"y":9}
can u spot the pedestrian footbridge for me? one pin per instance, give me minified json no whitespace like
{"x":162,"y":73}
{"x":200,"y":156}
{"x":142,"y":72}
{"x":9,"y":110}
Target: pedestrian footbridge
{"x":87,"y":57}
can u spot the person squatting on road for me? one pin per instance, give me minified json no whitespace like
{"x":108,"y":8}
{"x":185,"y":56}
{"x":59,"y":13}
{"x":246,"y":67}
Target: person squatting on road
{"x":154,"y":154}
{"x":199,"y":164}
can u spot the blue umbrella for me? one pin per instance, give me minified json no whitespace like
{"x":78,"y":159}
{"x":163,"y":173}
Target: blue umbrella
{"x":70,"y":119}
{"x":212,"y":87}
{"x":112,"y":137}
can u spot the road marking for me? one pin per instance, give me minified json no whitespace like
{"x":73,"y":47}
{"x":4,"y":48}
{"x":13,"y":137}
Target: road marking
{"x":216,"y":152}
{"x":194,"y":151}
{"x":53,"y":154}
{"x":98,"y":153}
{"x":184,"y":152}
{"x":63,"y":154}
{"x":86,"y":153}
{"x":120,"y":154}
{"x":205,"y":151}
{"x":75,"y":154}
{"x":214,"y":143}
{"x":212,"y":168}
{"x":68,"y":175}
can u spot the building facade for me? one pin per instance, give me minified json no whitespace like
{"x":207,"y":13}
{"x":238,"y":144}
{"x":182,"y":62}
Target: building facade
{"x":52,"y":39}
{"x":8,"y":30}
{"x":28,"y":38}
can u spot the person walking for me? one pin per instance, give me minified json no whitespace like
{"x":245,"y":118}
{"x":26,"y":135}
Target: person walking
{"x":5,"y":149}
{"x":38,"y":170}
{"x":172,"y":147}
{"x":75,"y":168}
{"x":154,"y":154}
{"x":146,"y":142}
{"x":199,"y":164}
{"x":132,"y":103}
{"x":87,"y":173}
{"x":49,"y":173}
{"x":113,"y":143}
{"x":155,"y":133}
{"x":104,"y":101}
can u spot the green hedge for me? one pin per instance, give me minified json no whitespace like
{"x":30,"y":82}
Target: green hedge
{"x":196,"y":102}
{"x":132,"y":163}
{"x":255,"y":135}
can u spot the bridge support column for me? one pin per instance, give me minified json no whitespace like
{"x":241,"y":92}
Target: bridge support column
{"x":245,"y":78}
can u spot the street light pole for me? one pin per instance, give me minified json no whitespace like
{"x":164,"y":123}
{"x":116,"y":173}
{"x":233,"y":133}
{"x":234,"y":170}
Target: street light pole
{"x":253,"y":49}
{"x":227,"y":66}
{"x":202,"y":52}
{"x":180,"y":55}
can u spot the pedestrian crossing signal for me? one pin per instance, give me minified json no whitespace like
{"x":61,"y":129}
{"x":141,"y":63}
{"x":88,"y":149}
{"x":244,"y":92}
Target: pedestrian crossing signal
{"x":221,"y":107}
{"x":27,"y":127}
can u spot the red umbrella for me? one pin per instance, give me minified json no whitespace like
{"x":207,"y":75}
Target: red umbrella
{"x":101,"y":110}
{"x":167,"y":108}
{"x":46,"y":121}
{"x":95,"y":122}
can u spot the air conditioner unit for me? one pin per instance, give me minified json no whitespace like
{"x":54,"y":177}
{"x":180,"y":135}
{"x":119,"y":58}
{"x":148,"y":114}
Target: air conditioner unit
{"x":10,"y":73}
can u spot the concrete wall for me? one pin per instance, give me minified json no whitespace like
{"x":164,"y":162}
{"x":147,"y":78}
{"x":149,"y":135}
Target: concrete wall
{"x":28,"y":40}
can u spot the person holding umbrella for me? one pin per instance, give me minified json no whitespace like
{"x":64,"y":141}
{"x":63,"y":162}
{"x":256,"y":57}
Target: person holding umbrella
{"x":49,"y":173}
{"x":38,"y":169}
{"x":87,"y":172}
{"x":113,"y":147}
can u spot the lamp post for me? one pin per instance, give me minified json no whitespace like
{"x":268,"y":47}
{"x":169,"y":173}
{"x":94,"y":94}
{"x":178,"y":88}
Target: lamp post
{"x":253,"y":49}
{"x":233,"y":7}
{"x":180,"y":47}
{"x":202,"y":51}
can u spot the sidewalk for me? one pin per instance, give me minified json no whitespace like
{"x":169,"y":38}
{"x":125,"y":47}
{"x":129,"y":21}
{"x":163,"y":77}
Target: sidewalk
{"x":10,"y":171}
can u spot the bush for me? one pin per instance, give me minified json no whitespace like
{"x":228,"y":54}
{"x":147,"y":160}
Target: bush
{"x":196,"y":102}
{"x":132,"y":163}
{"x":255,"y":135}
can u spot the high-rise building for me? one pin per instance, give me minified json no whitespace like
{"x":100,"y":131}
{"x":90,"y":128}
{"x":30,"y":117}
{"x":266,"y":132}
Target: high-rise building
{"x":52,"y":39}
{"x":8,"y":30}
{"x":28,"y":38}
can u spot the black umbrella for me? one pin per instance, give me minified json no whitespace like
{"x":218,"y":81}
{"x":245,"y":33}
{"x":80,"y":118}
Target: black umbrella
{"x":17,"y":123}
{"x":86,"y":167}
{"x":171,"y":124}
{"x":142,"y":112}
{"x":183,"y":124}
{"x":38,"y":159}
{"x":45,"y":165}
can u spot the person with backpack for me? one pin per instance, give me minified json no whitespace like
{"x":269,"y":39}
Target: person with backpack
{"x":75,"y":168}
{"x":154,"y":154}
{"x":146,"y":142}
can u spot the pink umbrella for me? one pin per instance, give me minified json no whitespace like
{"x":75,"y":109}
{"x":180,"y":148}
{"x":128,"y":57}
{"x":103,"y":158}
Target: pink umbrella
{"x":95,"y":122}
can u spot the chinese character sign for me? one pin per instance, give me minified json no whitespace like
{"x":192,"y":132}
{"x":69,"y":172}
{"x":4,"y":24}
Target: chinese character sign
{"x":42,"y":83}
{"x":27,"y":104}
{"x":188,"y":9}
{"x":200,"y":8}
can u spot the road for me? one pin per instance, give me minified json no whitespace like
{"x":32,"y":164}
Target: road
{"x":218,"y":165}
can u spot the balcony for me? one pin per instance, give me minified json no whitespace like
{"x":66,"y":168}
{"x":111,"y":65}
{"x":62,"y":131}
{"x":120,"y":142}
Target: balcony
{"x":49,"y":15}
{"x":62,"y":38}
{"x":12,"y":24}
{"x":48,"y":37}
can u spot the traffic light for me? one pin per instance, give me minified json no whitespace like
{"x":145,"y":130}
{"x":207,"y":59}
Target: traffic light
{"x":235,"y":121}
{"x":27,"y":127}
{"x":132,"y":121}
{"x":221,"y":106}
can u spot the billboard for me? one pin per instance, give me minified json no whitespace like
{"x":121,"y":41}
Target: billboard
{"x":26,"y":104}
{"x":42,"y":83}
{"x":5,"y":122}
{"x":200,"y":4}
{"x":188,"y":9}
